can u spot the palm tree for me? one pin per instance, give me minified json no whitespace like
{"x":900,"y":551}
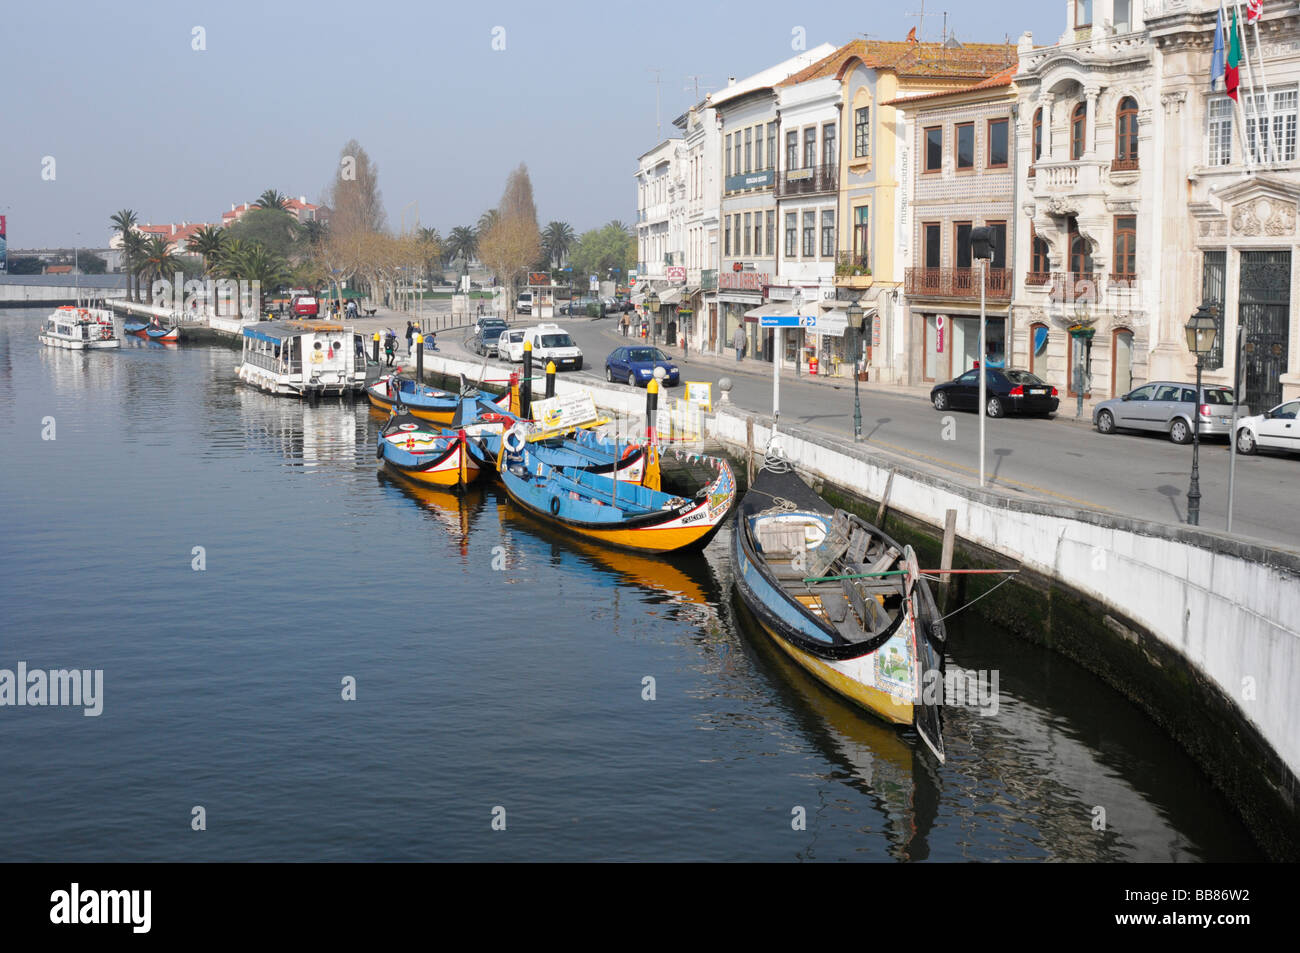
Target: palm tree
{"x":253,"y":262}
{"x":271,"y":199}
{"x":615,"y":223}
{"x":208,"y":241}
{"x":132,"y":251}
{"x":462,"y":243}
{"x":158,"y":260}
{"x":557,"y":239}
{"x":314,"y":232}
{"x":486,"y":221}
{"x":123,"y":223}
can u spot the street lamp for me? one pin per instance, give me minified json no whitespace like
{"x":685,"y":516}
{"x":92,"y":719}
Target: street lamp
{"x":1202,"y":329}
{"x":981,"y":250}
{"x":854,"y":331}
{"x":797,"y":300}
{"x":652,"y":305}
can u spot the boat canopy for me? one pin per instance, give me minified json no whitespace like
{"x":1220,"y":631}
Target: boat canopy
{"x":273,"y":332}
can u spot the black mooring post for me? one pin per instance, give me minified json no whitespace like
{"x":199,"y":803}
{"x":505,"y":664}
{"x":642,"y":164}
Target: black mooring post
{"x":526,"y":386}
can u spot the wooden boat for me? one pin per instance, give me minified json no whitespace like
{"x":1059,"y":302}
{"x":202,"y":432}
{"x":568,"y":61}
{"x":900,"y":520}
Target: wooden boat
{"x":409,"y":447}
{"x":843,"y":600}
{"x":79,"y":329}
{"x":423,"y":401}
{"x":629,"y":515}
{"x":151,"y":330}
{"x":303,"y":358}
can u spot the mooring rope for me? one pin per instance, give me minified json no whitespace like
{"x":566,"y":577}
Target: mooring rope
{"x":976,"y":599}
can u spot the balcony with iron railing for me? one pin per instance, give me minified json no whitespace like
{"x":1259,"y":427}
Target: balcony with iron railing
{"x":961,"y":283}
{"x":853,"y":269}
{"x":1075,"y":286}
{"x":813,"y":180}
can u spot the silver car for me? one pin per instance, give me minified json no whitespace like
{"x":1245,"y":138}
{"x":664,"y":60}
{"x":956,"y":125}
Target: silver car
{"x":1167,"y":407}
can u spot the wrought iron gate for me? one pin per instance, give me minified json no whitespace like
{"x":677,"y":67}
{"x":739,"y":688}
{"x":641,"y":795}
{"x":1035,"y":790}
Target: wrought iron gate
{"x":1265,"y":297}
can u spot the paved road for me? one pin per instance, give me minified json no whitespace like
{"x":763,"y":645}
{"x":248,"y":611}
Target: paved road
{"x":1061,"y":460}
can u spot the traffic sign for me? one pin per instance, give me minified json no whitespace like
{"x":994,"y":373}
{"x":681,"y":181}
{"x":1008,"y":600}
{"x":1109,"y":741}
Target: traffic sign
{"x":782,"y":321}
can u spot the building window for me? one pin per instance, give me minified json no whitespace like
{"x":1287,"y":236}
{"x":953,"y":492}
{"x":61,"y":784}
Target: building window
{"x":966,"y":145}
{"x":1078,"y":130}
{"x":1080,"y":250}
{"x":862,"y":132}
{"x":749,"y":150}
{"x":809,"y":234}
{"x":758,"y":233}
{"x":997,"y":143}
{"x":1214,"y":269}
{"x":1220,"y":138}
{"x":828,"y":233}
{"x":961,"y":244}
{"x":726,"y":237}
{"x":934,"y":149}
{"x":1039,"y":265}
{"x":1125,"y":246}
{"x":933,"y":245}
{"x":727,"y":152}
{"x":862,"y":235}
{"x":791,"y":234}
{"x":748,"y":216}
{"x":1284,"y":125}
{"x":828,"y":145}
{"x":771,"y":145}
{"x":771,"y":232}
{"x":1123,"y":18}
{"x":1082,"y":13}
{"x":792,"y":149}
{"x":810,"y":147}
{"x":999,"y":244}
{"x":1038,"y":134}
{"x":758,"y":149}
{"x":737,"y":157}
{"x":1126,"y":130}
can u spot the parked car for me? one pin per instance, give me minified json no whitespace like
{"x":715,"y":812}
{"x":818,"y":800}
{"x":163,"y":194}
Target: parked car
{"x":510,"y":345}
{"x":636,"y":365}
{"x":1167,"y":407}
{"x":483,"y":341}
{"x":524,"y":303}
{"x":552,"y":343}
{"x":305,"y":306}
{"x":1277,"y":429}
{"x":490,"y":323}
{"x":1007,"y":391}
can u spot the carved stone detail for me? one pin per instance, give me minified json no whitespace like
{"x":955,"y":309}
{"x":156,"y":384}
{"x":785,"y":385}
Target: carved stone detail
{"x":1173,"y":102}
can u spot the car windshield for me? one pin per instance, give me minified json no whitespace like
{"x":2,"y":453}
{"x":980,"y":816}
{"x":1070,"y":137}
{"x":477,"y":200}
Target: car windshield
{"x":1022,"y":377}
{"x":556,"y":340}
{"x":647,"y":354}
{"x":1218,"y":395}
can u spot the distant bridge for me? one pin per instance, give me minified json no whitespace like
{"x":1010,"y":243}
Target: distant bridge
{"x":36,"y":291}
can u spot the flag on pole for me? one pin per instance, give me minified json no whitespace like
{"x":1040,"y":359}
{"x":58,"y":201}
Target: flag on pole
{"x":1216,"y":61}
{"x":1232,"y":74}
{"x":1254,"y":10}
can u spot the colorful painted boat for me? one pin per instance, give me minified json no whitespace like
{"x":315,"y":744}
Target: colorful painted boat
{"x":138,"y":328}
{"x":843,"y":600}
{"x":164,"y":335}
{"x":423,"y":401}
{"x":629,"y":515}
{"x":409,"y":447}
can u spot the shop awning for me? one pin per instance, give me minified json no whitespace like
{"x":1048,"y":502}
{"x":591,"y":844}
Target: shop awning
{"x":766,"y":310}
{"x":671,"y":296}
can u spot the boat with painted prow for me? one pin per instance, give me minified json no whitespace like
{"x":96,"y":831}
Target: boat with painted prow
{"x":308,"y":359}
{"x":423,"y":453}
{"x":79,"y":329}
{"x":608,"y":511}
{"x":843,"y":600}
{"x":427,"y":403}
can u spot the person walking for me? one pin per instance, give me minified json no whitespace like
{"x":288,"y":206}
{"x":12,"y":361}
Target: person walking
{"x":410,"y":338}
{"x":738,"y":342}
{"x":623,"y":323}
{"x":390,"y":346}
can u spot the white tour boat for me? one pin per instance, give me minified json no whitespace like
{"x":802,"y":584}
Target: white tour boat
{"x":303,"y":359}
{"x":80,"y":329}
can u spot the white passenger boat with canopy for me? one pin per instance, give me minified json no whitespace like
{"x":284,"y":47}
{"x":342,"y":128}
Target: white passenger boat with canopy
{"x":303,"y":359}
{"x":80,"y":329}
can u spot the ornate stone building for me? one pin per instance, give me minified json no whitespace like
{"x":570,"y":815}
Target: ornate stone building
{"x":1144,"y":192}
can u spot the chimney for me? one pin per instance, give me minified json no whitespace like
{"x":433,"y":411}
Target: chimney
{"x":302,"y":199}
{"x":731,"y":81}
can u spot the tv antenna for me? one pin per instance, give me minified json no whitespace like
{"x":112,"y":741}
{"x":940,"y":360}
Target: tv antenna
{"x":920,"y":21}
{"x":696,"y":81}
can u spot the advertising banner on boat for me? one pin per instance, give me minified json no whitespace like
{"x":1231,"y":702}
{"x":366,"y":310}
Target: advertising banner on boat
{"x":562,"y":413}
{"x":4,"y":248}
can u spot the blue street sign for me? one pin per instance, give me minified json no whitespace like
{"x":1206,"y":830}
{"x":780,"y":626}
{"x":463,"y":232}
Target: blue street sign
{"x":786,"y":321}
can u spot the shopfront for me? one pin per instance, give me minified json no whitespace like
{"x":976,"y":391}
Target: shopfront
{"x":951,"y":344}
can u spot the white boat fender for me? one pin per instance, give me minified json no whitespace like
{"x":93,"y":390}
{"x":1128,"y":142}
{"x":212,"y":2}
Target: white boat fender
{"x":515,"y":439}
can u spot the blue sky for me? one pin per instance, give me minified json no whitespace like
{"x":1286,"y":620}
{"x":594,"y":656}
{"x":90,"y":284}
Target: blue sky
{"x":135,"y":117}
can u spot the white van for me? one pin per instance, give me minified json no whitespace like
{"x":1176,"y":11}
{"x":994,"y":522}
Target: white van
{"x":510,"y":346}
{"x":524,"y":304}
{"x":552,"y":343}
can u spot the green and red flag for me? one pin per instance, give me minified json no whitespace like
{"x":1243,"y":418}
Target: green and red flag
{"x":1232,"y":74}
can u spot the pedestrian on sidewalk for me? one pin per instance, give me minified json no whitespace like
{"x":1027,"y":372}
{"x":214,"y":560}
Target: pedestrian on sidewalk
{"x":738,"y":342}
{"x":623,"y":323}
{"x":390,"y":347}
{"x":684,"y":346}
{"x":410,"y":338}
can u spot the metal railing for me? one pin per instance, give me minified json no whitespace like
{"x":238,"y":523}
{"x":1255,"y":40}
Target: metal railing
{"x":1124,"y":165}
{"x":1036,"y":279}
{"x":1075,"y":286}
{"x":957,"y":283}
{"x":809,"y":181}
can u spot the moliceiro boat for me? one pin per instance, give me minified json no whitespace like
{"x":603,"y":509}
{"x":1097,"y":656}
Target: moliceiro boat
{"x":423,"y":453}
{"x":303,"y":359}
{"x":425,"y":402}
{"x":153,"y":330}
{"x":596,"y":507}
{"x":843,"y":600}
{"x":79,"y":329}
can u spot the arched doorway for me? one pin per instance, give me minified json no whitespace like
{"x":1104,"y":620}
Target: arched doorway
{"x":1121,"y":362}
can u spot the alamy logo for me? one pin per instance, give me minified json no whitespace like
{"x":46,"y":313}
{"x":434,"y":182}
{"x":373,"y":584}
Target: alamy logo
{"x":103,"y":907}
{"x":63,"y":687}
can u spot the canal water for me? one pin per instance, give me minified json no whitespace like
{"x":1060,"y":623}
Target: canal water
{"x":604,"y":706}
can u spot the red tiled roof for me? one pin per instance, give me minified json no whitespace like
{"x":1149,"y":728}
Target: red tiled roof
{"x":933,"y":60}
{"x":998,"y":80}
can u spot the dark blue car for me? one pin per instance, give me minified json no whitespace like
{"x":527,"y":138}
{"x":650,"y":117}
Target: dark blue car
{"x":636,"y":365}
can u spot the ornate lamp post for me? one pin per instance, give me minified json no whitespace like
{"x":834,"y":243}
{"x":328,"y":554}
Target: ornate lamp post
{"x":652,"y":305}
{"x":854,"y":331}
{"x":1202,"y":330}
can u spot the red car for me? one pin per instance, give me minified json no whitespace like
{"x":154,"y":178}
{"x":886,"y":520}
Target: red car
{"x":305,"y":306}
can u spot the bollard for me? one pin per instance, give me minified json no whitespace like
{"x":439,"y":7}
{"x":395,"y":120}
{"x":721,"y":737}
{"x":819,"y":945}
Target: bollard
{"x":550,"y":379}
{"x":526,"y":386}
{"x":651,"y":405}
{"x":374,"y":356}
{"x":419,"y":358}
{"x":514,"y":393}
